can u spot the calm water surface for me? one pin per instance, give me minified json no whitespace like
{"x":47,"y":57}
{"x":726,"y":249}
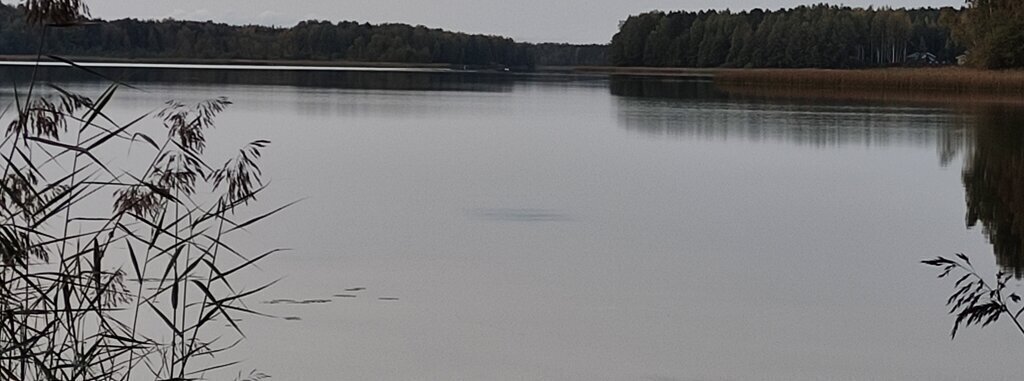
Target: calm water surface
{"x":543,"y":228}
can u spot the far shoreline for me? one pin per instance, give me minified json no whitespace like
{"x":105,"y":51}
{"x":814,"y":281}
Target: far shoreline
{"x":950,"y":80}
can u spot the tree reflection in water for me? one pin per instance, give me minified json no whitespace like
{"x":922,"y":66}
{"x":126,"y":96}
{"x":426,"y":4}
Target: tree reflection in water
{"x":989,"y":131}
{"x":993,"y":179}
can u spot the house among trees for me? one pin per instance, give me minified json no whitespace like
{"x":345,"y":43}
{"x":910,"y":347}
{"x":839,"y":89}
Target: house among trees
{"x":921,"y":59}
{"x":962,"y":59}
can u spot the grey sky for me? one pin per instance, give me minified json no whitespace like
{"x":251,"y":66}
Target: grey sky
{"x":579,"y":21}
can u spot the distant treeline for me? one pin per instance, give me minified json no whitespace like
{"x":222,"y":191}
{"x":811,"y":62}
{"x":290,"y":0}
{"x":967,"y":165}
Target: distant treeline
{"x":309,"y":40}
{"x":808,"y":36}
{"x":549,"y":54}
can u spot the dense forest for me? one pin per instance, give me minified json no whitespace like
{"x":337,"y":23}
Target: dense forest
{"x":815,"y":36}
{"x":984,"y":33}
{"x":993,"y":30}
{"x":309,"y":40}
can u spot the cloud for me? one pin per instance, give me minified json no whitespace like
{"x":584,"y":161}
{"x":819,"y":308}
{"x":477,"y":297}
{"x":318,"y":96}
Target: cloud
{"x":201,"y":14}
{"x":272,"y":18}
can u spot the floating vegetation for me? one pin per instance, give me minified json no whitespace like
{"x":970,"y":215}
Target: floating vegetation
{"x":292,"y":301}
{"x":252,"y":376}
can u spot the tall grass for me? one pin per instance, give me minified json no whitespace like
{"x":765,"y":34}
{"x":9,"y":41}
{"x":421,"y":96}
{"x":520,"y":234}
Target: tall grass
{"x":140,"y":287}
{"x":952,"y":80}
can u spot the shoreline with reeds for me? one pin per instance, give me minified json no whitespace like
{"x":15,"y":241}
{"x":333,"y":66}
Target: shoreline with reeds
{"x":938,"y":80}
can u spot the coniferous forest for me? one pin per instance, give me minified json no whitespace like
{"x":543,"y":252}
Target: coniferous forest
{"x":986,"y":34}
{"x":816,"y":36}
{"x":309,"y":40}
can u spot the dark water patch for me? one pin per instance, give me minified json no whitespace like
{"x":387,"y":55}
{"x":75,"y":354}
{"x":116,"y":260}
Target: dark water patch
{"x":702,"y":90}
{"x":404,"y":81}
{"x":520,"y":215}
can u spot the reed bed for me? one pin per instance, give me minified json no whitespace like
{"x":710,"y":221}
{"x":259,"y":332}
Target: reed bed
{"x":950,"y":80}
{"x":114,"y":271}
{"x":115,"y":268}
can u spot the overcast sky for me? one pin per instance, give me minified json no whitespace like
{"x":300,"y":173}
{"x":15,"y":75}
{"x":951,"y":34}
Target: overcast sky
{"x":577,"y":21}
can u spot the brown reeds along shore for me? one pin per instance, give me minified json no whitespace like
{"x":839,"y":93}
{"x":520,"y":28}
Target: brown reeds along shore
{"x":949,"y":80}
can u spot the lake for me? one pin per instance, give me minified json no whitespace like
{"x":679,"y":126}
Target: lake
{"x":515,"y":227}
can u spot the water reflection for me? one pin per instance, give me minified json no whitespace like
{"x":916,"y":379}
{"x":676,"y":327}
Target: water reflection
{"x":697,"y":109}
{"x":991,"y":133}
{"x":698,"y":90}
{"x":523,"y":231}
{"x":415,"y":81}
{"x":994,"y":183}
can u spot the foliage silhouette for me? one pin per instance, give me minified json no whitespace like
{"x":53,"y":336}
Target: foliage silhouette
{"x":69,"y":309}
{"x":977,"y":301}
